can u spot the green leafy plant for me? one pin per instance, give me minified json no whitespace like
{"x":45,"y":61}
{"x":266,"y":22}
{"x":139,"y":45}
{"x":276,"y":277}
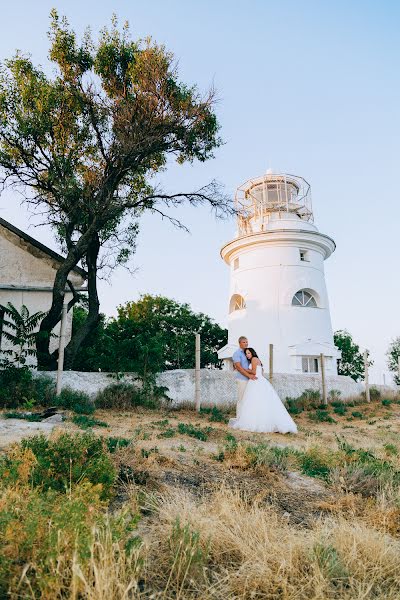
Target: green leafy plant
{"x":62,"y":462}
{"x":321,"y":416}
{"x":79,"y":402}
{"x":19,"y":329}
{"x":85,"y":422}
{"x":195,"y":432}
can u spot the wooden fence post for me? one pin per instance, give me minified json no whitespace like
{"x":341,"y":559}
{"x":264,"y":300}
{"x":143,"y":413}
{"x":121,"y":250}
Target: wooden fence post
{"x":197,"y":373}
{"x":367,"y":396}
{"x":271,"y":362}
{"x":323,"y":377}
{"x":61,"y":346}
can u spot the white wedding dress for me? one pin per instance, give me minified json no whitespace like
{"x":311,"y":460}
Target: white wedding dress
{"x":261,"y":409}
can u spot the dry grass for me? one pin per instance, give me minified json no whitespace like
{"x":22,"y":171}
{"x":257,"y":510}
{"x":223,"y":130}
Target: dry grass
{"x":217,"y":521}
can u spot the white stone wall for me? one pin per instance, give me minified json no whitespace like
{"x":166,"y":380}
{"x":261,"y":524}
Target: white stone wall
{"x":217,"y":387}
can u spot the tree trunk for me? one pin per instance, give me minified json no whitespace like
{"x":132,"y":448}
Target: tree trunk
{"x":93,"y":317}
{"x":45,"y":360}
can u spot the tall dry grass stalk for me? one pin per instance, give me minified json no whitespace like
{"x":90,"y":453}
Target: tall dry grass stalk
{"x":252,"y":552}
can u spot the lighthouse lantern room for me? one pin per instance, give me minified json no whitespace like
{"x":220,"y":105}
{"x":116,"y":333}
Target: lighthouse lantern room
{"x":277,"y":283}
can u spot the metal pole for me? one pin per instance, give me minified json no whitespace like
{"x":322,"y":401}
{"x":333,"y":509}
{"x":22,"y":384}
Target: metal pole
{"x":367,"y":396}
{"x":323,"y":377}
{"x":61,"y":347}
{"x":197,"y":373}
{"x":271,"y":362}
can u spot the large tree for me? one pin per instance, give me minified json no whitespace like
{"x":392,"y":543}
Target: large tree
{"x":154,"y":333}
{"x":84,"y":144}
{"x":393,"y":355}
{"x":352,"y":361}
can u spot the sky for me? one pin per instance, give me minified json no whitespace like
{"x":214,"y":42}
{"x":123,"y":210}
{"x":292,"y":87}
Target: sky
{"x":304,"y":87}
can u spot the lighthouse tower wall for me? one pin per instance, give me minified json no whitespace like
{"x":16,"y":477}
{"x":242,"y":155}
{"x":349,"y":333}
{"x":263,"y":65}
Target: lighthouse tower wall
{"x":267,"y":269}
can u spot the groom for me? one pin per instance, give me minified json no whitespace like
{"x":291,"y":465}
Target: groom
{"x":241,"y":364}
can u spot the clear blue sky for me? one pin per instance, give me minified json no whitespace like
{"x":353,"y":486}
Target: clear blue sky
{"x":308,"y":87}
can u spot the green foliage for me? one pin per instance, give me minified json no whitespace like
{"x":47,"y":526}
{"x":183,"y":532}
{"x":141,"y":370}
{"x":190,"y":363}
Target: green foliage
{"x":216,"y":415}
{"x":126,"y":395}
{"x":65,"y":461}
{"x":114,"y":443}
{"x":315,"y":464}
{"x":85,"y":422}
{"x":330,"y":563}
{"x":351,"y":362}
{"x":168,"y":433}
{"x":195,"y":432}
{"x":152,"y":334}
{"x":188,"y":556}
{"x":340,"y":409}
{"x":78,"y":402}
{"x":18,"y":387}
{"x":357,"y":414}
{"x":88,"y":134}
{"x":18,"y":328}
{"x":263,"y":455}
{"x":386,"y":402}
{"x":321,"y":416}
{"x":34,"y":418}
{"x":393,"y":354}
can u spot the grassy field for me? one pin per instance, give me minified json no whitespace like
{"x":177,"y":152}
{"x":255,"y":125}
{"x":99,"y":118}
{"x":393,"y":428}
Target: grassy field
{"x":169,"y":504}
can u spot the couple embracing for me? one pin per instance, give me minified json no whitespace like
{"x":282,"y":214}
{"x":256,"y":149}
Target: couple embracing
{"x":259,"y":407}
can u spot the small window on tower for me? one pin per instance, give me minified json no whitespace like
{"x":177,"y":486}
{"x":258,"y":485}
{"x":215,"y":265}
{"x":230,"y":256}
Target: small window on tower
{"x":304,"y":255}
{"x":236,"y":264}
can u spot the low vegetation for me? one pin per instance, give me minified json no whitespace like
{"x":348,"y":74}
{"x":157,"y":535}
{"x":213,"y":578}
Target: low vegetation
{"x":154,"y":502}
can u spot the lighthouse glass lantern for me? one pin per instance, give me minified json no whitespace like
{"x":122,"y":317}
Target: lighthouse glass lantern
{"x":277,"y":292}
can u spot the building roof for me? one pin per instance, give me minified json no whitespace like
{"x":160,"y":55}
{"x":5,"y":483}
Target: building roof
{"x":30,"y":240}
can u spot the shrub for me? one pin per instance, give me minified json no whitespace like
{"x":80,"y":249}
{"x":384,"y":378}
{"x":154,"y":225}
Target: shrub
{"x":195,"y":432}
{"x":85,"y":422}
{"x":315,"y":463}
{"x":125,"y":396}
{"x":78,"y":402}
{"x":18,"y":415}
{"x":293,"y":405}
{"x":46,"y":537}
{"x":114,"y":443}
{"x":357,"y":414}
{"x":19,"y":387}
{"x":340,"y":410}
{"x":59,"y":463}
{"x":216,"y":415}
{"x":322,"y":416}
{"x":263,"y":455}
{"x":386,"y":402}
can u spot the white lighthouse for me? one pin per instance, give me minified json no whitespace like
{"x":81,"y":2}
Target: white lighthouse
{"x":277,"y":283}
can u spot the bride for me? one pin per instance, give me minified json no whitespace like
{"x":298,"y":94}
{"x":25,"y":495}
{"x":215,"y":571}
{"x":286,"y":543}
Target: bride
{"x":261,"y":408}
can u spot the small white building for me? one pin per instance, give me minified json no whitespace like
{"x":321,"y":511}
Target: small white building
{"x":278,"y":293}
{"x":27,"y":272}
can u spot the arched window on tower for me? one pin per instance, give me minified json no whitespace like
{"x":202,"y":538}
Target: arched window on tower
{"x":237,"y":303}
{"x":304,"y":298}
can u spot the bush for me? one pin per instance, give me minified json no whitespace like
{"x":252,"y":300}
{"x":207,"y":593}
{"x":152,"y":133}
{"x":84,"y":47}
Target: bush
{"x":79,"y":402}
{"x":196,"y":432}
{"x":85,"y":422}
{"x":19,"y":387}
{"x":125,"y":396}
{"x":322,"y":416}
{"x":216,"y":415}
{"x":315,"y":463}
{"x":58,"y":464}
{"x":340,"y":409}
{"x":263,"y":455}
